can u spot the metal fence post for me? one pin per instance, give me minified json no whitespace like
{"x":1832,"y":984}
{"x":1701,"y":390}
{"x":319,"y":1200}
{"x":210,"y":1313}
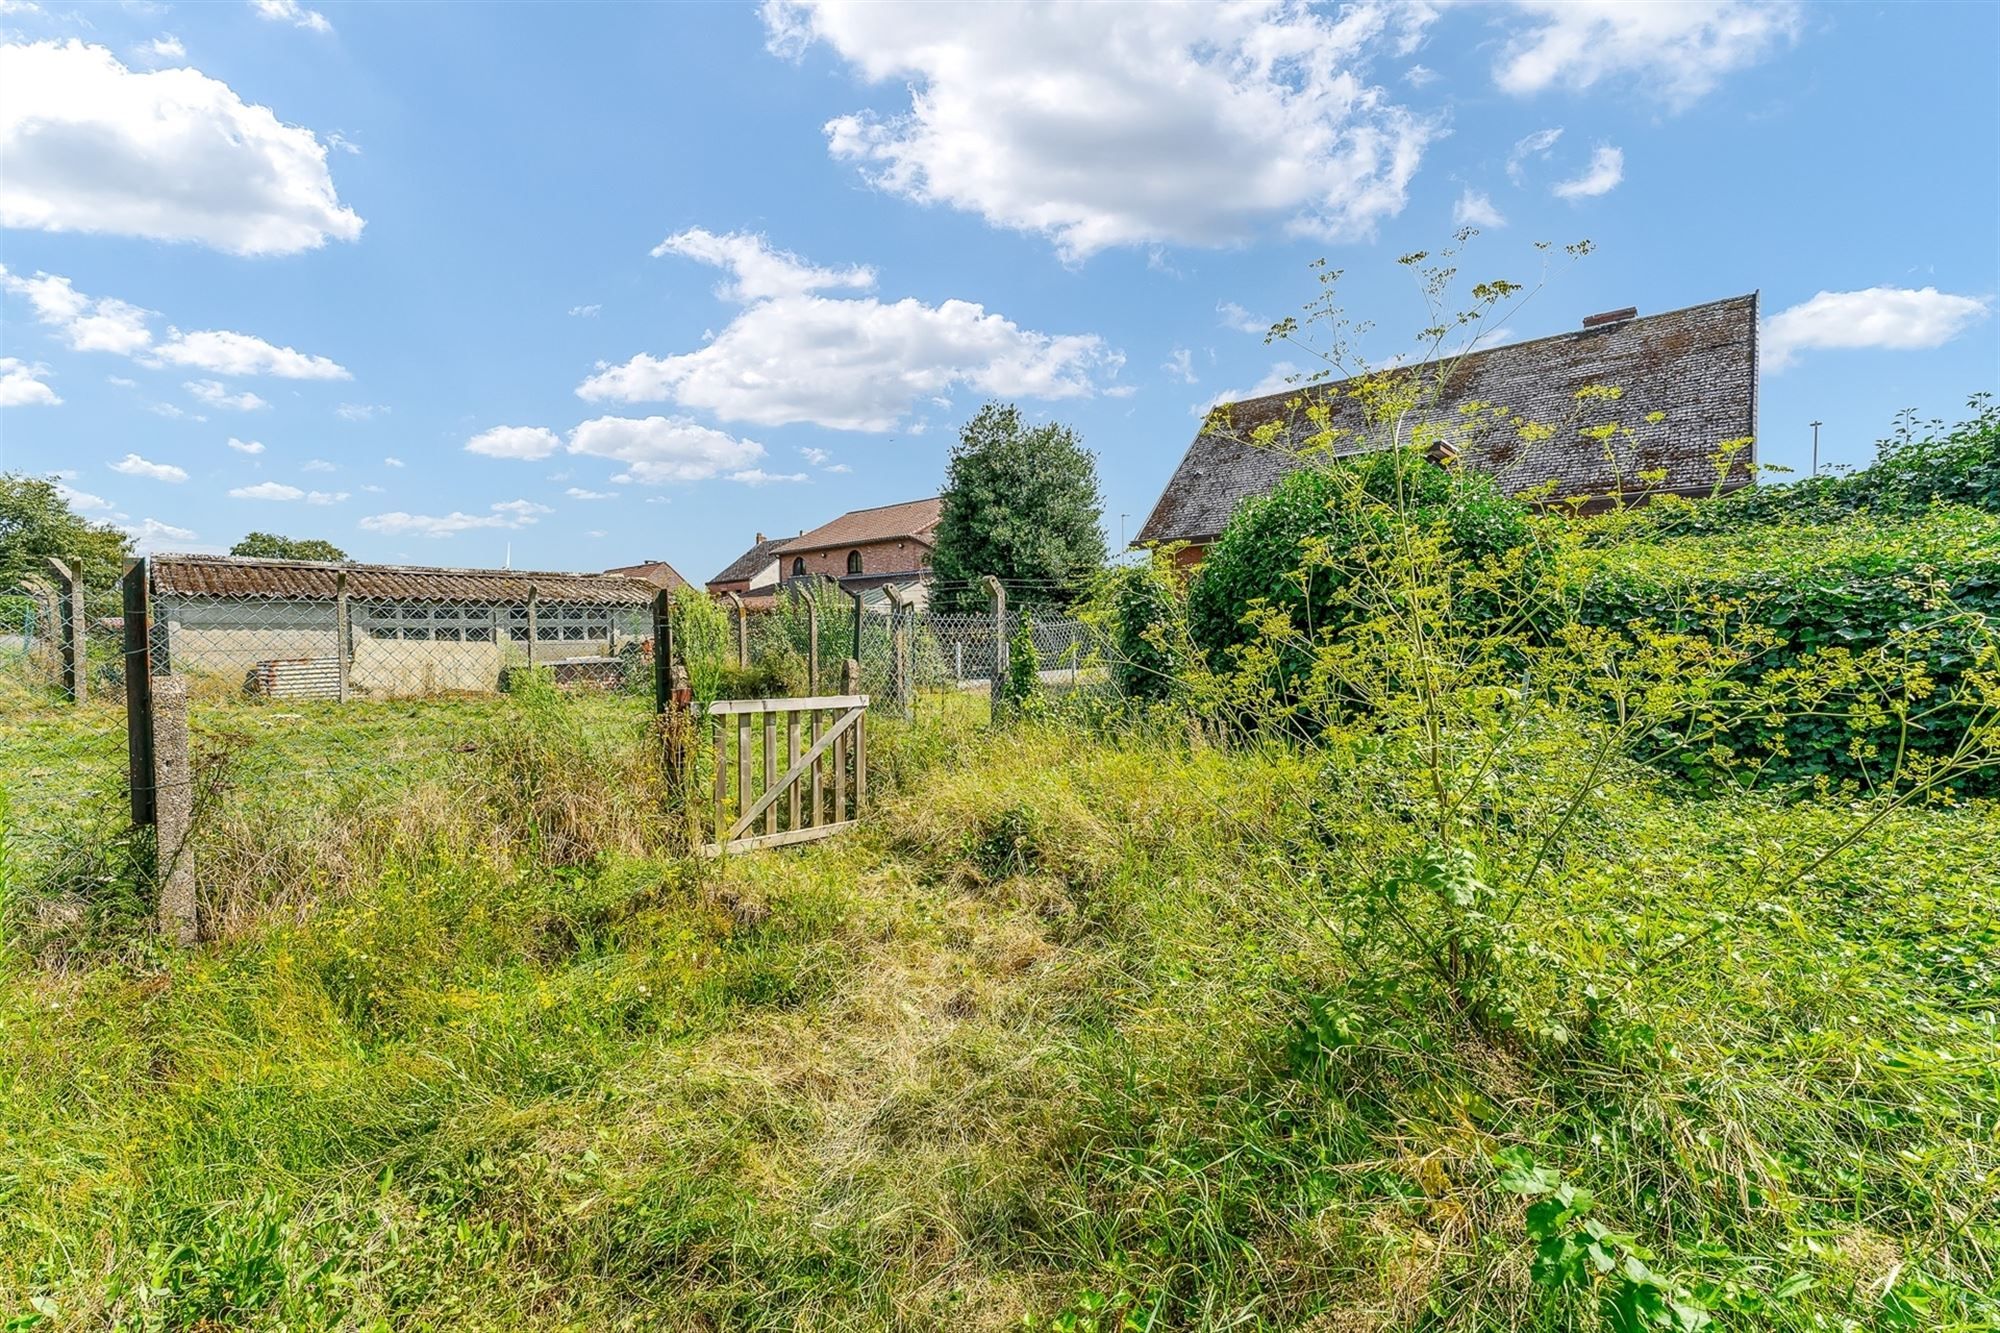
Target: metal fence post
{"x":173,"y":785}
{"x":71,"y":635}
{"x":812,"y":638}
{"x":742,"y":633}
{"x":340,"y":635}
{"x":999,"y":593}
{"x":138,"y":666}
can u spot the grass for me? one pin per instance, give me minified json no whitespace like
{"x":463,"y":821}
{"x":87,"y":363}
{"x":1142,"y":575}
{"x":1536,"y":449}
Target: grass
{"x":1076,"y":1030}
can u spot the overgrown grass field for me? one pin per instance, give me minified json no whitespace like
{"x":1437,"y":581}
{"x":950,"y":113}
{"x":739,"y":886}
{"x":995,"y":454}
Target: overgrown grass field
{"x":1082,"y":1032}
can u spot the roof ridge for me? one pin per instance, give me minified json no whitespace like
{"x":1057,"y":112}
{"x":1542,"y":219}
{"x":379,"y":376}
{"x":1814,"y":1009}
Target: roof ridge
{"x":268,"y":562}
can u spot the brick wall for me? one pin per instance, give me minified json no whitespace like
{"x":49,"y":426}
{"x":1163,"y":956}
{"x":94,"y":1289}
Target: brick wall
{"x":877,"y":557}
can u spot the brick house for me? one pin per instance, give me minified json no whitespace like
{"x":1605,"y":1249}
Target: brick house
{"x":866,"y":549}
{"x":656,"y":572}
{"x":1695,"y":367}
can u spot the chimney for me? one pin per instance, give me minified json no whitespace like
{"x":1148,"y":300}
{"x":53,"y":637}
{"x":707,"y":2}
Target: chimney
{"x":1611,"y":317}
{"x":760,"y":539}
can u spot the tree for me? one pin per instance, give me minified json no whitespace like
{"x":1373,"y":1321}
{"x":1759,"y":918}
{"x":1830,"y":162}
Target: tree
{"x":36,"y":522}
{"x":1021,"y":503}
{"x":270,"y":546}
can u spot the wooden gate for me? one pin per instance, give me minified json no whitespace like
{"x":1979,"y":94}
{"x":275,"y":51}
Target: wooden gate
{"x":768,"y":796}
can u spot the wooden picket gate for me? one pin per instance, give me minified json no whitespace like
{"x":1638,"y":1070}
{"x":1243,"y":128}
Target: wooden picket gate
{"x":821,"y":787}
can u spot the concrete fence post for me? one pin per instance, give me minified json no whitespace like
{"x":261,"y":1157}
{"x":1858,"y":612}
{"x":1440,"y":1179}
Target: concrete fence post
{"x":342,"y":632}
{"x":999,"y":700}
{"x":534,"y":626}
{"x":173,"y":819}
{"x":72,"y":636}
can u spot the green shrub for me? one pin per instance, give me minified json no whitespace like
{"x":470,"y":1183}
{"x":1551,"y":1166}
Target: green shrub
{"x":1146,"y":606}
{"x":1298,"y":549}
{"x":1024,"y":668}
{"x":1892,"y":619}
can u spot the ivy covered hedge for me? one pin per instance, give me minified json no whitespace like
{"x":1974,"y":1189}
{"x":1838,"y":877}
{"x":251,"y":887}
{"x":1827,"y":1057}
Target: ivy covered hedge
{"x":1887,"y":625}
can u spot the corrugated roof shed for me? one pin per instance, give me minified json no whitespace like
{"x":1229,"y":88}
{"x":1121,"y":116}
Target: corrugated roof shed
{"x":239,"y":576}
{"x":1697,"y":366}
{"x":912,"y":518}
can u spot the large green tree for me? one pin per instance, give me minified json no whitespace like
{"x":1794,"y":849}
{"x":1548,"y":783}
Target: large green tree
{"x":1020,"y":502}
{"x":270,"y":546}
{"x":36,"y":522}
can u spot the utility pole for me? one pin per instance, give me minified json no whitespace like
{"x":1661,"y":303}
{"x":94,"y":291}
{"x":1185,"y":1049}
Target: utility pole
{"x":1815,"y":426}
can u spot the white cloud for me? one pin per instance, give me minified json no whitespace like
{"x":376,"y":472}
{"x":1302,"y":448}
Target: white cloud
{"x":1676,"y":52}
{"x":166,"y":47}
{"x":1537,"y":144}
{"x":659,"y":450}
{"x":172,"y":412}
{"x":526,"y":442}
{"x":170,"y":155}
{"x":120,"y":382}
{"x":246,"y":446}
{"x":1110,"y":125}
{"x":150,"y":535}
{"x":83,"y":501}
{"x":241,"y":354}
{"x":759,"y":272}
{"x":854,"y":364}
{"x":817,"y":457}
{"x":756,"y":476}
{"x":21,"y":384}
{"x":134,"y":466}
{"x":1180,"y":364}
{"x":585,"y":311}
{"x":325,"y":497}
{"x":1475,"y":209}
{"x":292,"y":12}
{"x":1420,"y":76}
{"x":394,"y":462}
{"x":106,"y":324}
{"x":344,"y":144}
{"x":267,"y":490}
{"x":214,"y":394}
{"x":1236,"y":317}
{"x":87,"y":324}
{"x":506,"y":514}
{"x":1606,"y":169}
{"x":578,"y":493}
{"x":1891,"y":318}
{"x":360,"y":411}
{"x":1284,"y":375}
{"x":316,"y":465}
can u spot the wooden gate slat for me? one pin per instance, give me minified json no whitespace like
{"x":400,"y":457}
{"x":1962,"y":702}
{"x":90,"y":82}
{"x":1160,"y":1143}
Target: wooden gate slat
{"x":774,"y":806}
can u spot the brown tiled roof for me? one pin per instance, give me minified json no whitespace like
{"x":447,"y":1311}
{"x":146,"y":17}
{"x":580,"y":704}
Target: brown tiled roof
{"x":656,"y":572}
{"x":751,"y":563}
{"x":912,"y":518}
{"x":1697,"y":366}
{"x":238,"y":576}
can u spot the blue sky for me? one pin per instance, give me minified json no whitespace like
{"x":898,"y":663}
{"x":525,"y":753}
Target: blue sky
{"x":598,"y":284}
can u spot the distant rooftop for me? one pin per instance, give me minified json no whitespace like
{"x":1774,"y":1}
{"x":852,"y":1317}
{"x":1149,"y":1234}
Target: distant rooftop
{"x":911,"y":518}
{"x":242,"y":576}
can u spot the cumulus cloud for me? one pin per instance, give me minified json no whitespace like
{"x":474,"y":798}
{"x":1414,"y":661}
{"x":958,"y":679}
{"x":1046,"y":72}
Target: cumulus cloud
{"x":1180,"y":364}
{"x":394,"y":462}
{"x":1675,"y":52}
{"x":527,"y":442}
{"x":1475,"y":209}
{"x":1284,"y":375}
{"x":21,"y":384}
{"x":166,"y":47}
{"x":757,"y":271}
{"x":756,"y":476}
{"x":277,"y":490}
{"x":585,"y":311}
{"x":1234,"y":316}
{"x":360,"y":411}
{"x":83,"y":502}
{"x":134,"y":466}
{"x":1606,"y":169}
{"x":241,"y":354}
{"x":659,"y":450}
{"x":1111,"y":125}
{"x":579,"y":493}
{"x":1890,"y":318}
{"x":854,"y":364}
{"x":150,"y":536}
{"x":246,"y":446}
{"x":292,"y":12}
{"x":505,"y":514}
{"x":106,"y":324}
{"x":169,"y":155}
{"x":214,"y":394}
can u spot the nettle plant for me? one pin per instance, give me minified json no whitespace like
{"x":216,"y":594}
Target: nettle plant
{"x":1395,"y":606}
